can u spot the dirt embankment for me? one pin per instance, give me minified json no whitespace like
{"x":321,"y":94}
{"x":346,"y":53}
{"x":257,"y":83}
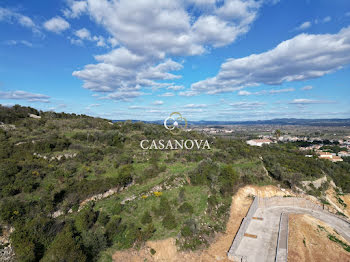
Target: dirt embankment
{"x":340,"y":202}
{"x":166,"y":249}
{"x":308,"y":241}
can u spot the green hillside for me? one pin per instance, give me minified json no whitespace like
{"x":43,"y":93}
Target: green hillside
{"x":50,"y":166}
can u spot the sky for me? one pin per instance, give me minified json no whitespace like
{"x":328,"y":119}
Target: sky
{"x":230,"y":60}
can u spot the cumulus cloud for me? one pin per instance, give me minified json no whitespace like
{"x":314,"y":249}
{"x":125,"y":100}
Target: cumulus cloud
{"x":23,"y":95}
{"x":76,"y":8}
{"x":147,"y":43}
{"x":10,"y":16}
{"x":56,"y":24}
{"x":83,"y":33}
{"x":303,"y":57}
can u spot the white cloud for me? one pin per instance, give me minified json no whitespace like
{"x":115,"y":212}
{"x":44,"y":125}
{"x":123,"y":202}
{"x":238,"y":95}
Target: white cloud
{"x":158,"y":103}
{"x":327,"y":19}
{"x":307,"y":88}
{"x":23,"y":95}
{"x":89,"y":107}
{"x":100,"y":41}
{"x":76,"y":8}
{"x":56,"y":24}
{"x":245,"y":93}
{"x":304,"y":26}
{"x":83,"y":33}
{"x":303,"y":57}
{"x":176,"y":88}
{"x":123,"y":95}
{"x":195,"y":106}
{"x":78,"y":42}
{"x":266,"y":92}
{"x":113,"y":42}
{"x":347,"y":14}
{"x":278,"y":91}
{"x":10,"y":16}
{"x":168,"y":94}
{"x":19,"y":42}
{"x":188,"y":93}
{"x":304,"y":101}
{"x":175,"y":29}
{"x":247,"y":105}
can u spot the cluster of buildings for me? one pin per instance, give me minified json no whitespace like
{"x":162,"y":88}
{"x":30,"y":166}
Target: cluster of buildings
{"x":330,"y":156}
{"x":334,"y":157}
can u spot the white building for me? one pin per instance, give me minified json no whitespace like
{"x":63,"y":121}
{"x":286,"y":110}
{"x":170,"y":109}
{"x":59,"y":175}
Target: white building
{"x":259,"y":142}
{"x":343,"y":154}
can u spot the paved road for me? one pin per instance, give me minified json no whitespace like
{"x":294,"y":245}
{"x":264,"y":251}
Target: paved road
{"x":263,"y":248}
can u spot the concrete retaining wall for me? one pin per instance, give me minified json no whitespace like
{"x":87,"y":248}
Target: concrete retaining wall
{"x":241,"y":231}
{"x":282,"y":240}
{"x":288,"y":201}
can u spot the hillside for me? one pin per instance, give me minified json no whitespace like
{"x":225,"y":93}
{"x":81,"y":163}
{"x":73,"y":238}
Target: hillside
{"x":50,"y":166}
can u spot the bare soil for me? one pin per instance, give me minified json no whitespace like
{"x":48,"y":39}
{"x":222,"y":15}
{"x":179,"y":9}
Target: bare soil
{"x":308,"y":242}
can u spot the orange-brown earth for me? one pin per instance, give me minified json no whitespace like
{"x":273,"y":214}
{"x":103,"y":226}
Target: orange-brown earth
{"x":166,"y":249}
{"x":332,"y":196}
{"x":309,"y":242}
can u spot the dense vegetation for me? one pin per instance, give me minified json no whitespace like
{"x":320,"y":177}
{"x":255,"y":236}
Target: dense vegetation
{"x":55,"y":163}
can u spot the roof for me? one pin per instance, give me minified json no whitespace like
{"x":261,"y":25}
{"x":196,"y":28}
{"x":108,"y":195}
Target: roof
{"x":262,"y":140}
{"x":325,"y":153}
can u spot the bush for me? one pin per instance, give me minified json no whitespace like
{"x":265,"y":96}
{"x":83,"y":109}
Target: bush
{"x":113,"y":227}
{"x":169,"y":221}
{"x":185,"y":208}
{"x":85,"y":219}
{"x":65,"y":248}
{"x":103,"y":218}
{"x":146,"y":218}
{"x":94,"y":242}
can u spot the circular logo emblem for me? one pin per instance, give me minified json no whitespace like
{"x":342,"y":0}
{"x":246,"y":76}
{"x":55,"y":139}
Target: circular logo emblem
{"x":175,"y":122}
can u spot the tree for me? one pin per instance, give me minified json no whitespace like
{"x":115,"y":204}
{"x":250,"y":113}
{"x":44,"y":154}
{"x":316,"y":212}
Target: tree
{"x":65,"y":248}
{"x":278,"y":133}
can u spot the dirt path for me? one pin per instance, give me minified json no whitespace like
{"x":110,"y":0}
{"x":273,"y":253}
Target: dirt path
{"x":166,"y":249}
{"x":309,"y":242}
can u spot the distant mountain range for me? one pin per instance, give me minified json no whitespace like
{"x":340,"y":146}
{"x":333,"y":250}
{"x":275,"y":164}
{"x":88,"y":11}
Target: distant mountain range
{"x":282,"y":121}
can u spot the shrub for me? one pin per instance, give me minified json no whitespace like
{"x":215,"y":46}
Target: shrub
{"x":112,"y":228}
{"x":103,"y":218}
{"x":146,"y":218}
{"x":65,"y":248}
{"x":169,"y":221}
{"x":185,"y":208}
{"x":85,"y":219}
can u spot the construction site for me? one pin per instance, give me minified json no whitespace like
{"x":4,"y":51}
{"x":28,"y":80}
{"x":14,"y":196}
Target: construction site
{"x":263,"y":233}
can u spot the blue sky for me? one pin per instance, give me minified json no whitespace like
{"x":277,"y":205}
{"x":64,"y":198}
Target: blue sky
{"x":208,"y":59}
